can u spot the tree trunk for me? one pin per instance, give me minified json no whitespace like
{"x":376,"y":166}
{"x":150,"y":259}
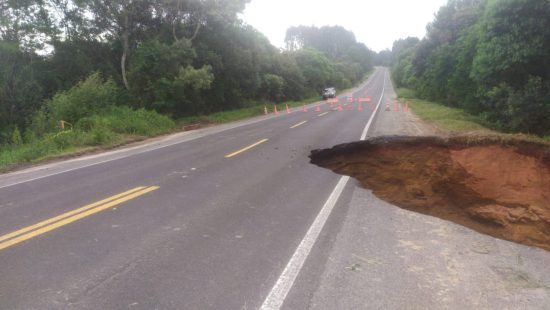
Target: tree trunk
{"x":125,"y":48}
{"x":196,"y":31}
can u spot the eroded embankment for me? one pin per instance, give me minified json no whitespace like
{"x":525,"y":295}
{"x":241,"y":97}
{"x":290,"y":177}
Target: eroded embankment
{"x":494,"y":186}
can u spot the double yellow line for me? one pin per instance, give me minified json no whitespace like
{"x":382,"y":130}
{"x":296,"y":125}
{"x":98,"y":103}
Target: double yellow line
{"x":71,"y":216}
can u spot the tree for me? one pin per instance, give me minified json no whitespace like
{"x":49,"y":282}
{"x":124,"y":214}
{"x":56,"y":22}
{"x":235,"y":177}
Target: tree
{"x":123,"y":19}
{"x":487,"y":56}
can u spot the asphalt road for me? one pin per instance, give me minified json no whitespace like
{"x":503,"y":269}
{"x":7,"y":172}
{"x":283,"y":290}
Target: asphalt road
{"x":213,"y":218}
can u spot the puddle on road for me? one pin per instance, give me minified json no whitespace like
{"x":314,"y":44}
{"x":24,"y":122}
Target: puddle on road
{"x":497,"y":186}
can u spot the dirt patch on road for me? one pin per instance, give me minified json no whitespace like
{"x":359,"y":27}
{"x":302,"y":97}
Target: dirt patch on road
{"x":500,"y":187}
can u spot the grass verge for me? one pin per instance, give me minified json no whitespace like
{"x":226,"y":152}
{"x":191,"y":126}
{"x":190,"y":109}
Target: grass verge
{"x":119,"y":126}
{"x":445,"y":118}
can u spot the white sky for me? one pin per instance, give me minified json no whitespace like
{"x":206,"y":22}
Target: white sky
{"x":377,"y":23}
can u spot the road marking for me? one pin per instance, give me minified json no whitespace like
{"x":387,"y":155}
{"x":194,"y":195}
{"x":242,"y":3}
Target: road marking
{"x":72,"y":216}
{"x":67,"y":214}
{"x":323,"y":114}
{"x":369,"y":123}
{"x":297,"y":125}
{"x":280,"y":290}
{"x":245,"y":149}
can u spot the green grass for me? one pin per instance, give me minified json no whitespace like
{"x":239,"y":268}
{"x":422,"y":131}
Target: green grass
{"x":445,"y":118}
{"x":119,"y":126}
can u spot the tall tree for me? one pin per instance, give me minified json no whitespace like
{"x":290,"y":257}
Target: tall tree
{"x":123,"y":19}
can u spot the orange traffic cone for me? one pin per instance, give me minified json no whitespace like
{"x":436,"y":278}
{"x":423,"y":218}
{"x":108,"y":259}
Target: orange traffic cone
{"x":318,"y":108}
{"x":340,"y":108}
{"x":360,"y":107}
{"x":287,"y":110}
{"x":304,"y":108}
{"x":397,"y":107}
{"x":275,"y":110}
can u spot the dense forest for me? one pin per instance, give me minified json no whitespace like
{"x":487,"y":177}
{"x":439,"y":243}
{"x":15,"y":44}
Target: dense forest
{"x":489,"y":57}
{"x":91,"y":62}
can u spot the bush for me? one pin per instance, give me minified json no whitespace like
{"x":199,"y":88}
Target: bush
{"x":65,"y":139}
{"x":124,"y":120}
{"x":89,"y":97}
{"x":272,"y":87}
{"x":101,"y":136}
{"x":139,"y":122}
{"x":406,"y":93}
{"x":16,"y":138}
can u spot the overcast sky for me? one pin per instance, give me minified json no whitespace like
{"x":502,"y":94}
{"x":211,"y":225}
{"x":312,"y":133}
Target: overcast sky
{"x":377,"y":23}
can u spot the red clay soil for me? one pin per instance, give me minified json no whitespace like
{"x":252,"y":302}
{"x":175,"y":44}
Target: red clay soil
{"x":500,"y":187}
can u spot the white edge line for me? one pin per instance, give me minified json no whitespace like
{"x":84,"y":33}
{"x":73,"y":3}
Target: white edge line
{"x":369,"y":123}
{"x":282,"y":287}
{"x":278,"y":293}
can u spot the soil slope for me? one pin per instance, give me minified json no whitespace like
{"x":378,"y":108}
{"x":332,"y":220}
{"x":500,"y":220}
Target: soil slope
{"x":495,"y":186}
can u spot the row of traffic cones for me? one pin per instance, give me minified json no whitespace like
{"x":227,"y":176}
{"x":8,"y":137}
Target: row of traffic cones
{"x":340,"y":108}
{"x":397,"y":106}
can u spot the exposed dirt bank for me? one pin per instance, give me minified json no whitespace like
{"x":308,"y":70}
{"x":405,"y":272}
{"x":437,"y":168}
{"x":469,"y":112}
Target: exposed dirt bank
{"x":497,"y":186}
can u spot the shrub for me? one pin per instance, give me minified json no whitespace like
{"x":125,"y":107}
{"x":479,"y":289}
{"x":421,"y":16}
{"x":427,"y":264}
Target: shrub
{"x":16,"y":138}
{"x":124,"y":120}
{"x":101,"y":136}
{"x":89,"y":97}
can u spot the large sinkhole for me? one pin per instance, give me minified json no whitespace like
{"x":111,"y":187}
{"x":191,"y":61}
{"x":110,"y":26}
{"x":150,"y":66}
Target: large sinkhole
{"x":495,"y":185}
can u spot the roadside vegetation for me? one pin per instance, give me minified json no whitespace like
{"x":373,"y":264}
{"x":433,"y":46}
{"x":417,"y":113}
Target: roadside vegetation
{"x":76,"y":75}
{"x":485,"y":58}
{"x":444,"y":117}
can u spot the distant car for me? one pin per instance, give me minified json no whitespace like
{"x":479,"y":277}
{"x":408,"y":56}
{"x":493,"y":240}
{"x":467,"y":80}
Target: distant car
{"x":329,"y":93}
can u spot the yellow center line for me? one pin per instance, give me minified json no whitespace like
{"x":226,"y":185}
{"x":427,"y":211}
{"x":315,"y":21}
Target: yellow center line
{"x":299,"y":124}
{"x":245,"y":149}
{"x":64,"y":215}
{"x":323,"y":114}
{"x":72,"y":216}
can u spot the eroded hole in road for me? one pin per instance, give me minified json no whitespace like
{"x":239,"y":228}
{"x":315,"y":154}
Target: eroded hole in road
{"x":494,"y":185}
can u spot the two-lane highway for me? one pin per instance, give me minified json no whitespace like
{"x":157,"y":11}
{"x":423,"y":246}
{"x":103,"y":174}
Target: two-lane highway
{"x":208,"y":222}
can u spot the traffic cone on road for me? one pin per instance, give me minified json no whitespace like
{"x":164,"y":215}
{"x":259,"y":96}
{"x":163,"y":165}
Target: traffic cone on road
{"x":406,"y":107}
{"x":360,"y":107}
{"x":275,"y":110}
{"x":304,"y":108}
{"x":340,"y":108}
{"x":287,"y":110}
{"x":318,"y":108}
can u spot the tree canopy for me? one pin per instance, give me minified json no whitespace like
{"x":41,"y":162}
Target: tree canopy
{"x":487,"y":56}
{"x":177,"y":57}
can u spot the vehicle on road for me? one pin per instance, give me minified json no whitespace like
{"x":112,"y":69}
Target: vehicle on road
{"x":329,"y":92}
